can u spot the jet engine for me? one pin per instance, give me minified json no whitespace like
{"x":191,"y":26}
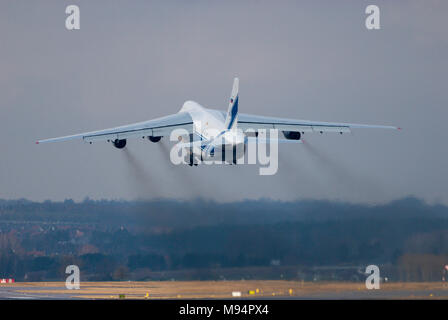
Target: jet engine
{"x":119,"y":143}
{"x":292,"y":135}
{"x":154,"y":139}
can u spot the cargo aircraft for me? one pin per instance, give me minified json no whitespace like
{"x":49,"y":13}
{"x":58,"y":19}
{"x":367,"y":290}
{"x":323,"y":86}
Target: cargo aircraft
{"x":208,"y":130}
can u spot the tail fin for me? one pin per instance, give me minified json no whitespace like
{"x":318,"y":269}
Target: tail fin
{"x":232,"y":112}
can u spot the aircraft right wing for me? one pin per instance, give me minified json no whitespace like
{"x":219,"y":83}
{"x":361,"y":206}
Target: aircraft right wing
{"x":153,"y":128}
{"x":258,"y":140}
{"x":255,"y":122}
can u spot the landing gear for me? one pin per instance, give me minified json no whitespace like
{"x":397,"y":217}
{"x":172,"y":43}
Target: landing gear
{"x":234,"y":155}
{"x":191,"y":159}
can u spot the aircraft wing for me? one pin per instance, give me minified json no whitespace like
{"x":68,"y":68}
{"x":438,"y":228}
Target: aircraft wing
{"x":157,"y":128}
{"x":254,"y":122}
{"x":258,"y":140}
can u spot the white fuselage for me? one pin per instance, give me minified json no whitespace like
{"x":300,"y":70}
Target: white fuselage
{"x":209,"y":127}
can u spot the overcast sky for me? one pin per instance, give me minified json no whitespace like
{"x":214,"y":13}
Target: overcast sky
{"x":137,"y":60}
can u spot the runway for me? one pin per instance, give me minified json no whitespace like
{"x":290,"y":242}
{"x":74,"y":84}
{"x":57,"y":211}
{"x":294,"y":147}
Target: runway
{"x":271,"y":289}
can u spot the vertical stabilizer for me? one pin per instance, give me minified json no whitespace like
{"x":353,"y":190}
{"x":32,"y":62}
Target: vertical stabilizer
{"x":232,"y":112}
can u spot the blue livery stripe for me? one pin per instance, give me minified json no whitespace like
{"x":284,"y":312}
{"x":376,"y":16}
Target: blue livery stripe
{"x":233,"y":113}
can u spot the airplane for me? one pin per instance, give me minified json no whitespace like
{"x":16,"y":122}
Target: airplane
{"x":209,"y":130}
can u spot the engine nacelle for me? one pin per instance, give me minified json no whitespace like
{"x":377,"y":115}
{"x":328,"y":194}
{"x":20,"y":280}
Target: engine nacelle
{"x":154,"y":139}
{"x":292,"y":135}
{"x":119,"y":143}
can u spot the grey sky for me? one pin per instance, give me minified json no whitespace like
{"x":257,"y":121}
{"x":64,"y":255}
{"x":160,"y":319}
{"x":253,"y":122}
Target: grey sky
{"x":136,"y":60}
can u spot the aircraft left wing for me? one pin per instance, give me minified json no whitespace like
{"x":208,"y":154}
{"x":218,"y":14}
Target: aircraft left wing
{"x":254,"y":122}
{"x":156,"y":128}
